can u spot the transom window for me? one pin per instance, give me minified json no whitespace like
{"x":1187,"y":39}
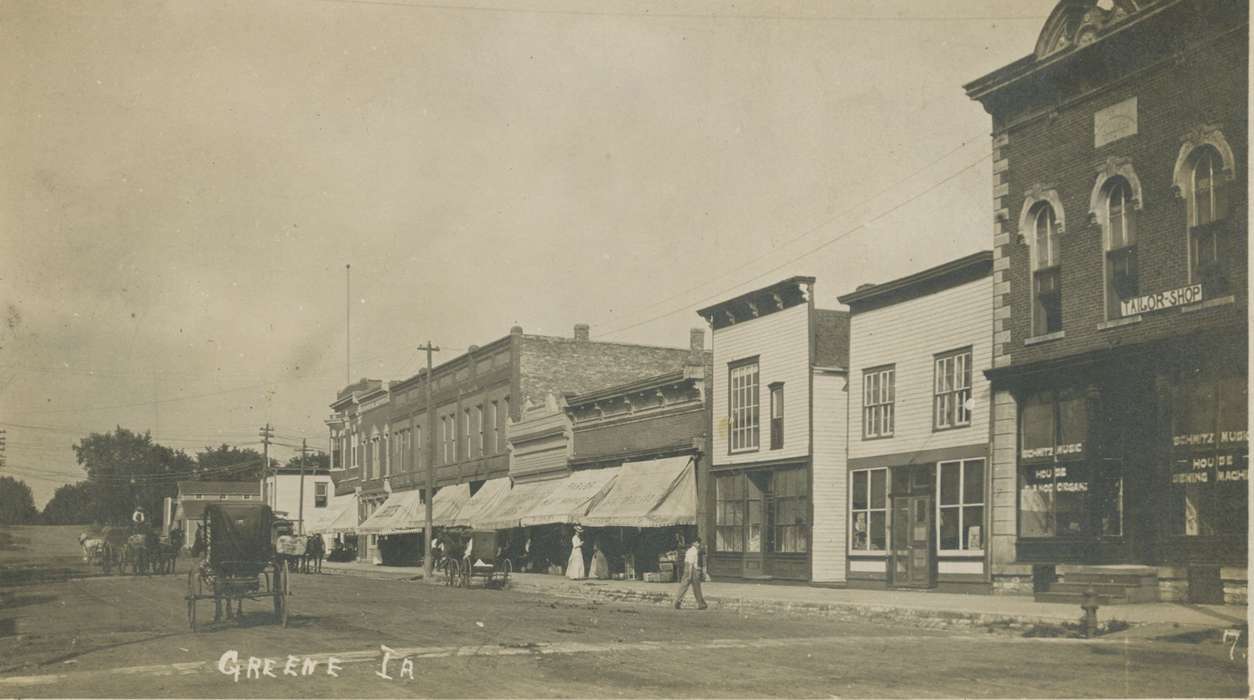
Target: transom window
{"x":1046,"y":275}
{"x":743,"y":405}
{"x":868,"y":508}
{"x":960,"y":505}
{"x":1120,"y":235}
{"x":877,"y":402}
{"x":953,"y":390}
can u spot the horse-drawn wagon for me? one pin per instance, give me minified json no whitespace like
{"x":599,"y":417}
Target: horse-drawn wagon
{"x":239,"y":561}
{"x":484,"y":559}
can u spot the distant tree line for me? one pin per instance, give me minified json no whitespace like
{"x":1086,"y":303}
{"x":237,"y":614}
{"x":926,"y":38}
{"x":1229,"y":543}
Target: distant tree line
{"x":125,"y":469}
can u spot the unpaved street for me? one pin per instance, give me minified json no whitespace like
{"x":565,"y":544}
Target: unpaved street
{"x":129,"y":637}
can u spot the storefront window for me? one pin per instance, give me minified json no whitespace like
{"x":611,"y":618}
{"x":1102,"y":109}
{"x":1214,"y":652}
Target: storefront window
{"x":1056,"y":478}
{"x":960,"y":505}
{"x":791,"y":507}
{"x":1210,"y":455}
{"x":869,"y":510}
{"x":730,"y":515}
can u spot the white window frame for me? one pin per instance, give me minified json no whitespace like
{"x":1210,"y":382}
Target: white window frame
{"x":886,"y":510}
{"x":479,"y":422}
{"x":494,"y":415}
{"x":744,"y":407}
{"x":1126,"y":238}
{"x":1044,"y":260}
{"x":879,"y":395}
{"x":961,"y":506}
{"x":951,"y":389}
{"x":325,"y":496}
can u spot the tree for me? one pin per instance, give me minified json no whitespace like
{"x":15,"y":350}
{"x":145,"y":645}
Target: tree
{"x":17,"y":505}
{"x":72,"y":504}
{"x":313,"y":460}
{"x":230,"y":463}
{"x":127,"y":469}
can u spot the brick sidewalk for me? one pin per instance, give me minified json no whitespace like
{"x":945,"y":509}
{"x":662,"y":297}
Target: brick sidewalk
{"x":980,"y":609}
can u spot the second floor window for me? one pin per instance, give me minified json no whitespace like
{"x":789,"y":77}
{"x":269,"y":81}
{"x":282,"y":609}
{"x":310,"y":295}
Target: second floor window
{"x":320,"y":495}
{"x":1120,"y":235}
{"x":493,"y":426}
{"x":877,"y":402}
{"x":1046,"y":274}
{"x":953,"y":390}
{"x":777,"y":416}
{"x":743,"y":406}
{"x":465,"y":433}
{"x":479,"y":428}
{"x":1208,"y":205}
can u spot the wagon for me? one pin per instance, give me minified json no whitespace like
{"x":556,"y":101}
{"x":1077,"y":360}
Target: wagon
{"x":240,"y":562}
{"x":487,"y":561}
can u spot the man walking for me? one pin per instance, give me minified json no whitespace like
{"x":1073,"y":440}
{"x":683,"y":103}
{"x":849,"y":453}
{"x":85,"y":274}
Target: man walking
{"x":692,"y":576}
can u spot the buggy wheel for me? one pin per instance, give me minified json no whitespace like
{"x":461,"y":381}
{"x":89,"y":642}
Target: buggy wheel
{"x":281,"y":590}
{"x":193,"y":590}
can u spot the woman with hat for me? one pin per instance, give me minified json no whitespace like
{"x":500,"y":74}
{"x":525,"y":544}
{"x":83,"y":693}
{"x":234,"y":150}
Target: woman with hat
{"x":575,"y":566}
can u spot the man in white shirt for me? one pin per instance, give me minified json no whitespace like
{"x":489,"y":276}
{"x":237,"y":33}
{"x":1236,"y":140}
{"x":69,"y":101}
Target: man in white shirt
{"x":692,"y":576}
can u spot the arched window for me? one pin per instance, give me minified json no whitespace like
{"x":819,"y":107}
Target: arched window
{"x":1046,"y":274}
{"x":1208,"y":207}
{"x":1208,"y":201}
{"x":1120,"y":244}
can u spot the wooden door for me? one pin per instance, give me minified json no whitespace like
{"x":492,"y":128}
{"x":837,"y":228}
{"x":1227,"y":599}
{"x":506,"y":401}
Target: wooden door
{"x":912,"y":554}
{"x":757,"y":486}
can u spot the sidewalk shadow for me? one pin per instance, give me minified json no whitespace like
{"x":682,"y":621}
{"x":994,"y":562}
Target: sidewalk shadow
{"x":1230,"y":619}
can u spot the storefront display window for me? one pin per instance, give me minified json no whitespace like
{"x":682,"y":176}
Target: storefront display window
{"x":960,"y":506}
{"x":1210,"y":454}
{"x":1057,"y":480}
{"x":869,"y":510}
{"x":790,"y":506}
{"x":730,"y":517}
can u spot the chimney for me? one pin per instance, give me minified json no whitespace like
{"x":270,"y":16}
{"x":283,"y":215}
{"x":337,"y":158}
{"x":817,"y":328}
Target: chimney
{"x":864,"y":285}
{"x":581,"y":332}
{"x":516,"y":330}
{"x":696,"y":346}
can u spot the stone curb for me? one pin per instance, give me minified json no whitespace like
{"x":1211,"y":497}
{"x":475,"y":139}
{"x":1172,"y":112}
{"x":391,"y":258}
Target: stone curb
{"x":918,"y":616}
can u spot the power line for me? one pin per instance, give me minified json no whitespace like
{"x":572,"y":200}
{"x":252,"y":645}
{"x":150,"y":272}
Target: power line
{"x":684,"y":15}
{"x":819,"y":226}
{"x":824,"y":244}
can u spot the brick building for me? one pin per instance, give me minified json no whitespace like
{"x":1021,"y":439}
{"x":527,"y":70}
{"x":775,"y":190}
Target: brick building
{"x":383,"y":430}
{"x":1120,"y":287}
{"x":778,"y":397}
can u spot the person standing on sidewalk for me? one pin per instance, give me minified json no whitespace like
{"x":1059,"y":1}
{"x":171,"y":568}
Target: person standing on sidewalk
{"x":692,"y":576}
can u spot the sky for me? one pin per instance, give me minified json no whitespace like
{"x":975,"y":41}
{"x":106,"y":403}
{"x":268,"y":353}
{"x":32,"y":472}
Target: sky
{"x":183,"y":184}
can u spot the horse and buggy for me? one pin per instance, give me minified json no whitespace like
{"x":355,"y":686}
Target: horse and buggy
{"x":237,"y":543}
{"x":479,"y":554}
{"x":140,"y":550}
{"x":302,"y":553}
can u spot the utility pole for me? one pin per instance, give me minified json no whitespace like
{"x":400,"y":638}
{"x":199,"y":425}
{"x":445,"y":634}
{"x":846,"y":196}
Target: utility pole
{"x":300,"y":511}
{"x":2,"y":447}
{"x":348,"y":324}
{"x":426,"y":557}
{"x":267,"y":493}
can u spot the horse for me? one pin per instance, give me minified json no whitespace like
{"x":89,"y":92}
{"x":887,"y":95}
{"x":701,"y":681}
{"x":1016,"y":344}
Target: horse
{"x":93,"y":547}
{"x":315,"y":550}
{"x":141,"y":551}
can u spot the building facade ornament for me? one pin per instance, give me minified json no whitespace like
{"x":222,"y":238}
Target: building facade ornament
{"x":1204,"y":135}
{"x":1115,"y":166}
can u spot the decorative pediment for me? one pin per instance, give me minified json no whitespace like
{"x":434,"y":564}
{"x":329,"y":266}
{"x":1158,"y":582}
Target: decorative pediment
{"x":1034,"y":195}
{"x":1115,"y":166}
{"x":1075,"y":23}
{"x":1205,"y":135}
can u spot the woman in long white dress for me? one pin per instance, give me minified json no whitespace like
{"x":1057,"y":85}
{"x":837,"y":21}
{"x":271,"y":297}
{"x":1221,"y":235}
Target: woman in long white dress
{"x":575,"y":567}
{"x":600,"y":568}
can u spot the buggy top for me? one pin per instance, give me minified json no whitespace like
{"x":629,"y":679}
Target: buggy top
{"x":240,"y":536}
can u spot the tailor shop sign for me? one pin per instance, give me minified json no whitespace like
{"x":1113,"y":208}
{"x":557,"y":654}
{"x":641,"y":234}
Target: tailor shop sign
{"x":1161,"y":300}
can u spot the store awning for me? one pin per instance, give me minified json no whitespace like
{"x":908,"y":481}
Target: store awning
{"x":400,"y":513}
{"x":657,"y":493}
{"x":484,"y":500}
{"x":448,"y":501}
{"x":509,"y":510}
{"x":320,"y":520}
{"x":569,"y":499}
{"x":344,"y":523}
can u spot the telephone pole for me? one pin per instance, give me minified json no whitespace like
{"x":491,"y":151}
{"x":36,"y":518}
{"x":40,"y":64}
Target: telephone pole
{"x":2,"y":446}
{"x":426,"y":557}
{"x":267,"y":493}
{"x":300,"y":512}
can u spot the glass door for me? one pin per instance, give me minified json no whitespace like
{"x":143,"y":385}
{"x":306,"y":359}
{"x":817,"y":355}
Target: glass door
{"x":757,"y":486}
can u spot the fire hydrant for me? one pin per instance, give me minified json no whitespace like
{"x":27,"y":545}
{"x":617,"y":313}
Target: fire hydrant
{"x":1089,"y":606}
